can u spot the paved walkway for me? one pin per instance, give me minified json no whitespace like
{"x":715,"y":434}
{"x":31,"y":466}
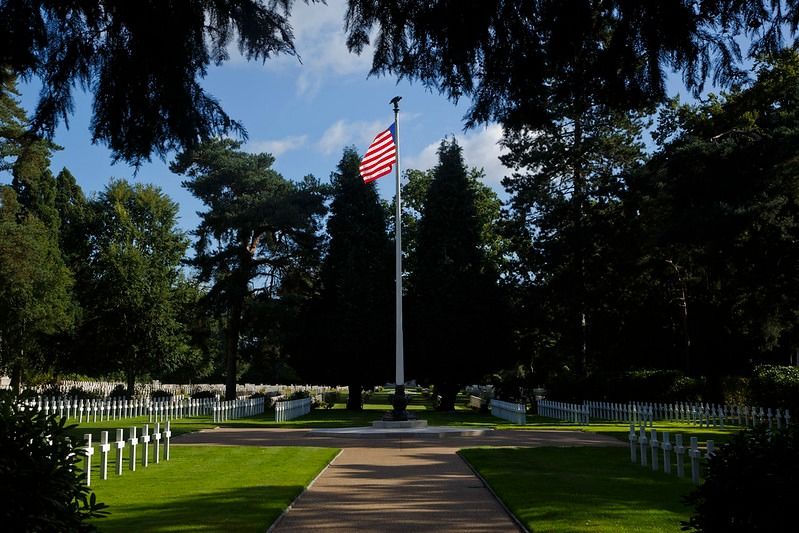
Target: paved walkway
{"x":393,"y":484}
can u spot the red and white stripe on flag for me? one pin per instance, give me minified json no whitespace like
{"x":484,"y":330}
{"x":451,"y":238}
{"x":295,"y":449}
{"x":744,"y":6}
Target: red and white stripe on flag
{"x":380,"y":156}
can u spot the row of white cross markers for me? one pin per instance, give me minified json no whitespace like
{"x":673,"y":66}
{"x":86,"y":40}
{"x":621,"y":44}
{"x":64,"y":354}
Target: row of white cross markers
{"x":132,"y":443}
{"x":649,"y":447}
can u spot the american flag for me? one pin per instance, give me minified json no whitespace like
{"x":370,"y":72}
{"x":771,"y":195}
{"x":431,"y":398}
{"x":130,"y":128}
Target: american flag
{"x":380,"y":156}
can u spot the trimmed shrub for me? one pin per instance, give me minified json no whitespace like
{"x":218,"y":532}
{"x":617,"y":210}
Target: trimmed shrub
{"x":298,"y":395}
{"x":161,"y":395}
{"x":330,"y":399}
{"x":41,"y":486}
{"x":201,"y":394}
{"x":736,"y":391}
{"x":78,"y":392}
{"x":749,"y":485}
{"x":120,"y":391}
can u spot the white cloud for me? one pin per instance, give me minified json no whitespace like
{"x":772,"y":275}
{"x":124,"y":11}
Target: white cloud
{"x":320,"y":41}
{"x":481,"y":149}
{"x":277,"y":147}
{"x":344,"y":132}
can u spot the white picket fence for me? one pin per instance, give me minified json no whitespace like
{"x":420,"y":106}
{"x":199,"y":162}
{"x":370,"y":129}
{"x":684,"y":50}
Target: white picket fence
{"x":648,"y":450}
{"x":701,"y":414}
{"x":572,"y":412}
{"x":291,"y":409}
{"x":512,"y":412}
{"x":231,"y":410}
{"x":145,"y":440}
{"x":643,"y":413}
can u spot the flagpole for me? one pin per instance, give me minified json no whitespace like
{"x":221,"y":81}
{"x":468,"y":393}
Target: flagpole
{"x":399,"y":393}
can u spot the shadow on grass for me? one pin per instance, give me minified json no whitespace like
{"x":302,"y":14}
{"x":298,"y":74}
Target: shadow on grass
{"x":582,"y":489}
{"x":242,"y":509}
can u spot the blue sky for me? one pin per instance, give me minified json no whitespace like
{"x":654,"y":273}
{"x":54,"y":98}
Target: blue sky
{"x":303,"y":113}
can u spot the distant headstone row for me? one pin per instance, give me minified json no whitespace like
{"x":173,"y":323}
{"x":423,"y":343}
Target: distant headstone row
{"x":648,"y":450}
{"x":143,"y":390}
{"x":145,"y":440}
{"x":156,"y":410}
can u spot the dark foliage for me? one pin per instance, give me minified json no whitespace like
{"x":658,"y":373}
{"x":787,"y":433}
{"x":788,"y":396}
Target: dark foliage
{"x":202,"y":394}
{"x":119,"y":391}
{"x":458,"y":330}
{"x":776,"y":387}
{"x":353,"y":314}
{"x":258,"y":237}
{"x":161,"y":395}
{"x":41,"y":486}
{"x":512,"y":56}
{"x":750,"y":485}
{"x":83,"y":394}
{"x":640,"y":385}
{"x":141,"y":60}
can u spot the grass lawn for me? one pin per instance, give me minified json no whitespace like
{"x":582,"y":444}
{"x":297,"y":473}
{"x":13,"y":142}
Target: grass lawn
{"x":208,"y":488}
{"x":582,"y":489}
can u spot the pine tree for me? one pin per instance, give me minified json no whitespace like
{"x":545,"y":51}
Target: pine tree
{"x":357,"y":275}
{"x":257,"y":228}
{"x":457,"y":311}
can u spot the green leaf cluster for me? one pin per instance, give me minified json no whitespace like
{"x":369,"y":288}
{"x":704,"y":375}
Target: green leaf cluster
{"x":41,"y":484}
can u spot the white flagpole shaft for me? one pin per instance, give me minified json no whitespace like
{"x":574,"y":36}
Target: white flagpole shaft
{"x":400,"y":370}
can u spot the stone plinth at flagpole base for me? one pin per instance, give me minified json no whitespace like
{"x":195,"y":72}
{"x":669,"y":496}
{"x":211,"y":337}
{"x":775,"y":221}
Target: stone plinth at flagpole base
{"x":399,"y":424}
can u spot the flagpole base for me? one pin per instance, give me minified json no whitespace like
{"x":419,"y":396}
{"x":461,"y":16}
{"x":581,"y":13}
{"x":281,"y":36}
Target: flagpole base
{"x":400,"y":403}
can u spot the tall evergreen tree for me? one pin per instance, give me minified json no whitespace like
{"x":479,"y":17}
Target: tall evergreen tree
{"x":37,"y":294}
{"x":35,"y":289}
{"x":564,"y":215}
{"x":356,"y":297}
{"x":718,"y":209}
{"x":457,"y":313}
{"x":257,"y":227}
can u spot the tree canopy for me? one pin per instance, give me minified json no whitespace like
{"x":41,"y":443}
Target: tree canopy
{"x":457,"y":312}
{"x":353,"y":315}
{"x":142,"y":62}
{"x":136,"y":251}
{"x":511,"y":57}
{"x":257,"y":228}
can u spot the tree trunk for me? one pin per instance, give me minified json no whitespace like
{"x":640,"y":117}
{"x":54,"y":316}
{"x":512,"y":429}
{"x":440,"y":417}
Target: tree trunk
{"x":16,"y":377}
{"x":355,"y":399}
{"x":578,"y":200}
{"x":449,"y":394}
{"x":232,"y":350}
{"x":131,"y":378}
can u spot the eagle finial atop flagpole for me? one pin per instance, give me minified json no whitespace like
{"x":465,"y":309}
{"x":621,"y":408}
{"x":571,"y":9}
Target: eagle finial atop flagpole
{"x":395,"y":101}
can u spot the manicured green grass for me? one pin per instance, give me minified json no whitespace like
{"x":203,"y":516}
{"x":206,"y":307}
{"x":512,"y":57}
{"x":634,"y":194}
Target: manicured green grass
{"x":621,"y":431}
{"x":178,"y":427}
{"x":208,"y":488}
{"x":582,"y":489}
